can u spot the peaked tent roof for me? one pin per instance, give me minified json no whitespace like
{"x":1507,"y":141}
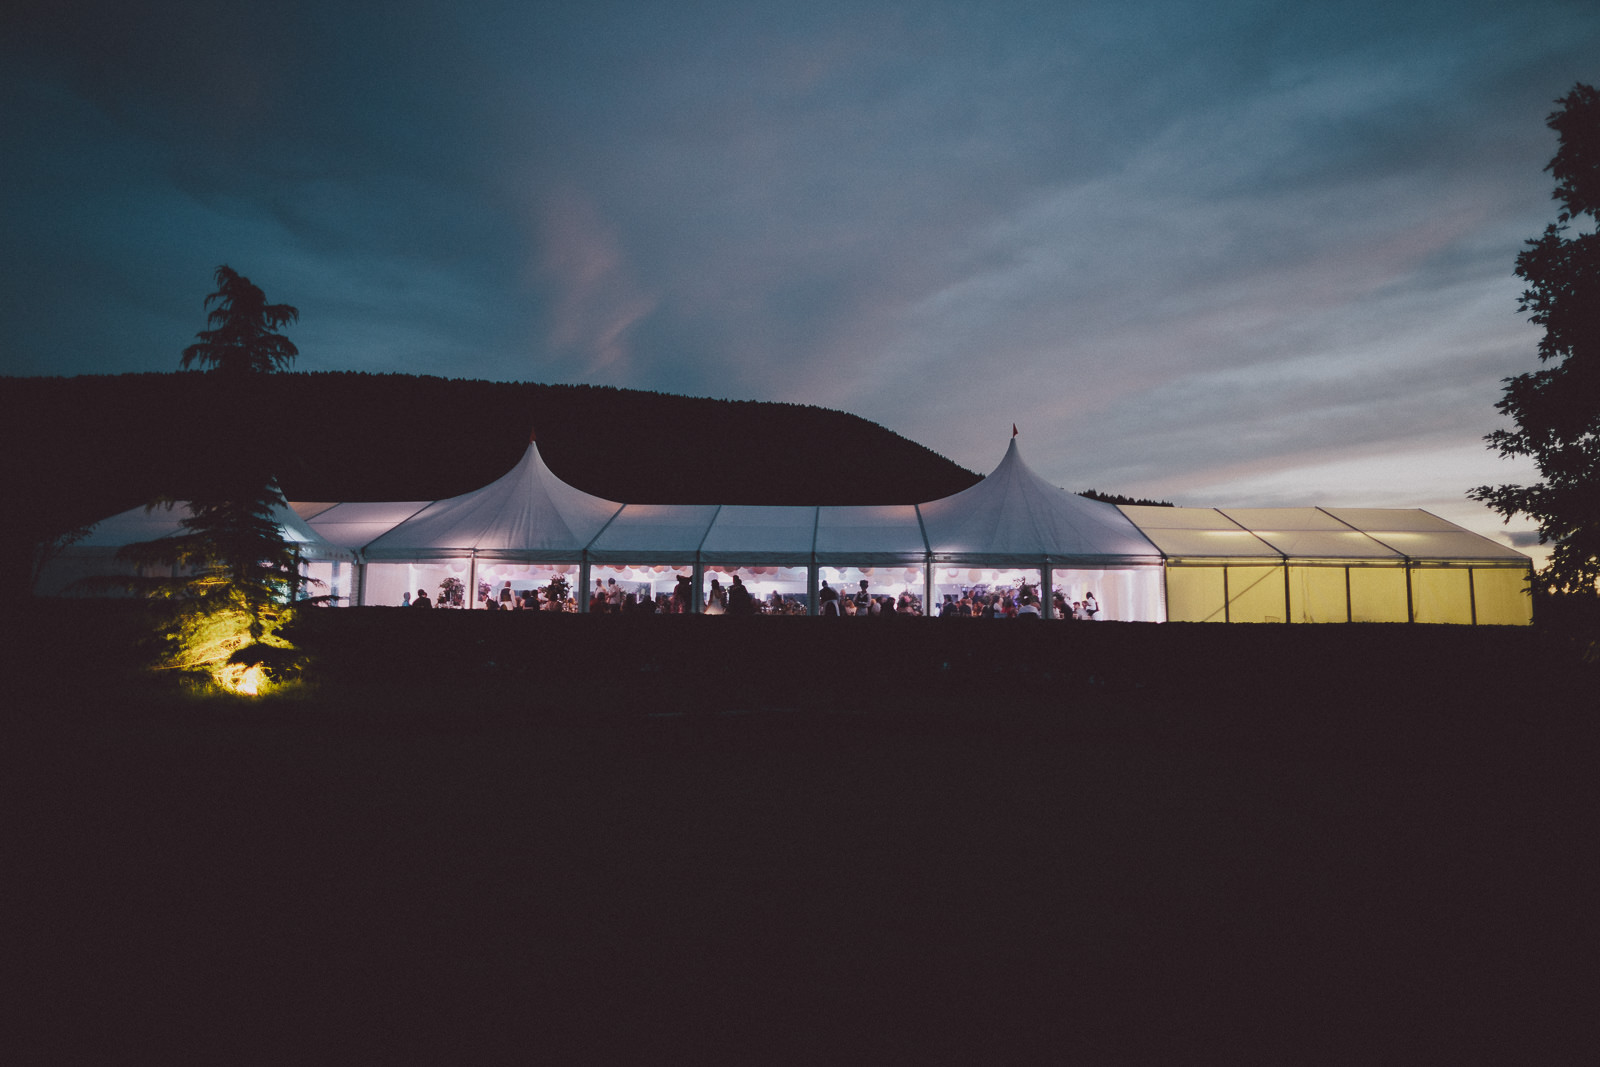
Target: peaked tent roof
{"x":528,"y":514}
{"x":1016,"y":518}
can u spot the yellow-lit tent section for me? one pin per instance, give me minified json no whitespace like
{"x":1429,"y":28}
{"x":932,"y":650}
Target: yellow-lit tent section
{"x":1332,"y":565}
{"x":1455,"y":575}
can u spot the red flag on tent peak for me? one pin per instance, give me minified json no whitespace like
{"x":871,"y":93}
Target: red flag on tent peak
{"x":1013,"y":429}
{"x":533,"y":435}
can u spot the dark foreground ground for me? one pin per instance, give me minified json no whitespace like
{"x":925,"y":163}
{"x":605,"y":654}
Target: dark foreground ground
{"x":484,"y":839}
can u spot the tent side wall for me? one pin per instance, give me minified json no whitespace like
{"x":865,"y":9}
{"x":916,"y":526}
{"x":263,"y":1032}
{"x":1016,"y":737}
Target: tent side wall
{"x":1501,"y":596}
{"x":1435,"y":592}
{"x":1231,"y":592}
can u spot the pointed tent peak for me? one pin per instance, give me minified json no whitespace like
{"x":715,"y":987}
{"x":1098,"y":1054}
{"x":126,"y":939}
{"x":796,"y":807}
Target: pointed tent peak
{"x":1013,"y":457}
{"x":1013,"y":471}
{"x":533,"y":435}
{"x":1013,"y":429}
{"x":529,"y":509}
{"x":532,"y":465}
{"x":1017,"y":516}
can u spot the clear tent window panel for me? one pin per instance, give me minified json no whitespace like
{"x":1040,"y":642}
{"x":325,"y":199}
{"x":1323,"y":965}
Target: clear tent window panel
{"x":776,"y":590}
{"x":899,"y":583}
{"x":1125,"y":594}
{"x":395,"y":584}
{"x":519,"y":584}
{"x":653,"y":581}
{"x":982,"y":586}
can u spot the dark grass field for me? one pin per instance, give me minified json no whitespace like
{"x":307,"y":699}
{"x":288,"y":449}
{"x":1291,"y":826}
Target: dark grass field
{"x":528,"y":840}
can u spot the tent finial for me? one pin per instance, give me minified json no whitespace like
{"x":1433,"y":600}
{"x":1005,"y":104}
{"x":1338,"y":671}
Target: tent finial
{"x":1013,"y":429}
{"x":533,"y":435}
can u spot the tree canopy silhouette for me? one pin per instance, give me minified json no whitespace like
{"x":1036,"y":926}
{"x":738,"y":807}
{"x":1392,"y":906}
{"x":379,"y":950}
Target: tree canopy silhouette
{"x":1557,"y":409}
{"x":244,"y":337}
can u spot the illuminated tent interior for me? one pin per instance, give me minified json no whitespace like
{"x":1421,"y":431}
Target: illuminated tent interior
{"x":1143,"y":564}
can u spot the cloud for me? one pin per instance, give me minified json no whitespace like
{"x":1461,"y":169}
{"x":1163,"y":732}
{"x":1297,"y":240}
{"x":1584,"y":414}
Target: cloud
{"x":1184,"y":247}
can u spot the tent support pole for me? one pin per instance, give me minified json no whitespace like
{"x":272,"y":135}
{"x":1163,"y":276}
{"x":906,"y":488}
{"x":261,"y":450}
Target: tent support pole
{"x":927,"y":588}
{"x":1046,"y":591}
{"x":813,"y":577}
{"x":583,"y":584}
{"x":472,"y":581}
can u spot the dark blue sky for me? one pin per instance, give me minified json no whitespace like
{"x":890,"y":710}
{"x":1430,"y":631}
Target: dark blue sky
{"x":1231,"y":253}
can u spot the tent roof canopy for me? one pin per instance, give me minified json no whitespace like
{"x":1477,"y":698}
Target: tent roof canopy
{"x":1320,"y":534}
{"x":1013,"y":517}
{"x":527,"y":512}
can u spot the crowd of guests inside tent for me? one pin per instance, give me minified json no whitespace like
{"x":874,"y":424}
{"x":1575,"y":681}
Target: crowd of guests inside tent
{"x":1018,"y":601}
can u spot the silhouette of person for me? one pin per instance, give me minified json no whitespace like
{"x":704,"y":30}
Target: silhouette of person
{"x":739,"y":601}
{"x":422,"y":600}
{"x":827,"y":600}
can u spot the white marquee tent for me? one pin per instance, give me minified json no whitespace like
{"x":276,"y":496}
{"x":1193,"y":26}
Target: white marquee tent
{"x":1013,"y":527}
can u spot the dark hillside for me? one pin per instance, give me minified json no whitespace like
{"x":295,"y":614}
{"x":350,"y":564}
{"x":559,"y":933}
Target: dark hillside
{"x":79,"y":449}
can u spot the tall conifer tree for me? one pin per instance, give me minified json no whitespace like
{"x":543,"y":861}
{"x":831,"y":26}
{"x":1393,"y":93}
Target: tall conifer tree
{"x":234,"y":575}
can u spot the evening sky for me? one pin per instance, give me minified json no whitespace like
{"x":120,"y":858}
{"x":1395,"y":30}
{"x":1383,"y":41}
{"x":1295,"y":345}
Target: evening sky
{"x":1237,"y":253}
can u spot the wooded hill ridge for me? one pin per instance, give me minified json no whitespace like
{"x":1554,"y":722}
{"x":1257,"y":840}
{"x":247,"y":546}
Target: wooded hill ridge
{"x":95,"y":445}
{"x":81,"y":448}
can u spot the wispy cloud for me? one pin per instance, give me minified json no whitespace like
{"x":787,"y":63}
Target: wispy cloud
{"x":1241,"y":248}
